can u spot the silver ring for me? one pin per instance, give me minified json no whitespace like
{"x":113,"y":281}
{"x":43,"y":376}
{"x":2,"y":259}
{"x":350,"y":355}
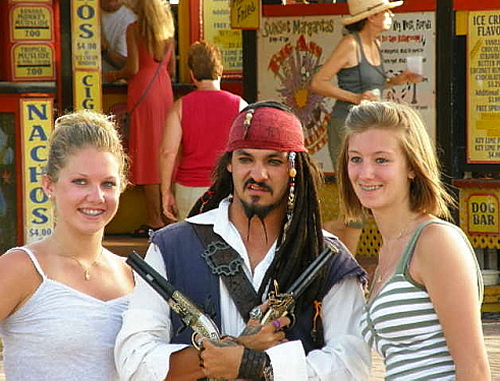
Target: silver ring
{"x":256,"y":313}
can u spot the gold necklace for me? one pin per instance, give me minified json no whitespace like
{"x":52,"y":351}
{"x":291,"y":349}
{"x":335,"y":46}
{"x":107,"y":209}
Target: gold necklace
{"x":86,"y":270}
{"x":379,"y":275}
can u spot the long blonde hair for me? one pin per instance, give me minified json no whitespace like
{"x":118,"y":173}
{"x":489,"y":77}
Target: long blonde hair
{"x":155,"y":23}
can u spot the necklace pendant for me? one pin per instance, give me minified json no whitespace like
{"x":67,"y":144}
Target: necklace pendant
{"x":87,"y":275}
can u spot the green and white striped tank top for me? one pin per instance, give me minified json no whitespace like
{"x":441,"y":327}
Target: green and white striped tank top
{"x":400,"y":322}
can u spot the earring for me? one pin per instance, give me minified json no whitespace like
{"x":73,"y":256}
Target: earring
{"x":292,"y":172}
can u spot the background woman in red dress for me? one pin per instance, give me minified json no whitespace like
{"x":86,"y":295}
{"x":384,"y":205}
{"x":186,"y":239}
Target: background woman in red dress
{"x":150,"y":67}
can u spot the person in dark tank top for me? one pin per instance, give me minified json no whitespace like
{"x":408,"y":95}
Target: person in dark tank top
{"x":358,"y":64}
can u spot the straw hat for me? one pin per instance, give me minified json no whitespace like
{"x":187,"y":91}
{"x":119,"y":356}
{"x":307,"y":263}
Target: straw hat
{"x":361,"y":9}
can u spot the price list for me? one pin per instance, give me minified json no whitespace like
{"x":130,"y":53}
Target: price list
{"x":217,"y":30}
{"x":483,"y":145}
{"x":32,"y":37}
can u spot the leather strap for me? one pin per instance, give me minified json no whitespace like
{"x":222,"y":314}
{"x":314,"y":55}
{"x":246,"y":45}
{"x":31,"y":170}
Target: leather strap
{"x":226,"y":263}
{"x":146,"y":91}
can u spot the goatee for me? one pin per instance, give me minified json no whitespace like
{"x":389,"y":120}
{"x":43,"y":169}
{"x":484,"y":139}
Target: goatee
{"x":261,"y":212}
{"x":253,"y":210}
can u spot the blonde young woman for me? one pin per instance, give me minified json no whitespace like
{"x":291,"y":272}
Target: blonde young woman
{"x":62,"y":297}
{"x":358,"y":64}
{"x":149,"y":69}
{"x":424,"y":311}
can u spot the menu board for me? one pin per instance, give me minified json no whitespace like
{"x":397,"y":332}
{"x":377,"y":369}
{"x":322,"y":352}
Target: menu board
{"x":292,"y":48}
{"x":217,"y":30}
{"x":483,"y":83}
{"x":31,"y":31}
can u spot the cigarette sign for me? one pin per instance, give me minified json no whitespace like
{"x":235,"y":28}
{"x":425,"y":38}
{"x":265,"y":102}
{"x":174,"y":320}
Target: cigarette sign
{"x":86,"y":35}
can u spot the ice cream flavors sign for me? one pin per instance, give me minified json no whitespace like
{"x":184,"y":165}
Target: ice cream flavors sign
{"x":483,"y":66}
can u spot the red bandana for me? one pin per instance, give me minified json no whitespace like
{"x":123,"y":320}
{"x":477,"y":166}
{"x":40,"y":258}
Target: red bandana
{"x":266,"y":128}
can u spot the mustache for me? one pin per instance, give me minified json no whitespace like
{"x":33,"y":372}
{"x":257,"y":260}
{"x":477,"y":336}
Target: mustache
{"x":261,"y":185}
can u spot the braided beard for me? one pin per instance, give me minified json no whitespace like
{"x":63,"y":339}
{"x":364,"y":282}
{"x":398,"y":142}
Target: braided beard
{"x":252,"y":210}
{"x":261,"y":212}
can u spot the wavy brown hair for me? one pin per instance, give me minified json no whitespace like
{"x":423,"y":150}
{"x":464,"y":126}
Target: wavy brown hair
{"x":428,"y":193}
{"x":205,"y":61}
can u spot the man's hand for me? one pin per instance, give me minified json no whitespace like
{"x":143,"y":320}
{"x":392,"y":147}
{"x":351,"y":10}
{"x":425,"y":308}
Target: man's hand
{"x":261,"y":337}
{"x":170,"y":206}
{"x":221,"y":359}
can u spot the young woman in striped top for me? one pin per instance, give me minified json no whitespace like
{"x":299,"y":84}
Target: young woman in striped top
{"x":423,"y":314}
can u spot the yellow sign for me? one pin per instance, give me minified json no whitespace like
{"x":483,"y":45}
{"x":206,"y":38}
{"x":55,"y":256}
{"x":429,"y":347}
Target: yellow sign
{"x":33,"y":61}
{"x":483,"y":213}
{"x":217,"y":30}
{"x":86,"y":37}
{"x":483,"y":74}
{"x":245,"y":14}
{"x":31,"y":23}
{"x":86,"y":34}
{"x":87,"y":90}
{"x":36,"y":125}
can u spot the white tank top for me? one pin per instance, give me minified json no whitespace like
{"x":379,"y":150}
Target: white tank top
{"x":61,"y":334}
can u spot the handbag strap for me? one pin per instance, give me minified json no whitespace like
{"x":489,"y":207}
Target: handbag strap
{"x":226,"y":263}
{"x":146,"y":91}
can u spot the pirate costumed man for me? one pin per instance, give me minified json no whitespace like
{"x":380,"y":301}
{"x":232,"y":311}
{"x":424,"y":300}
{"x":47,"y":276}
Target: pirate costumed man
{"x":258,"y":225}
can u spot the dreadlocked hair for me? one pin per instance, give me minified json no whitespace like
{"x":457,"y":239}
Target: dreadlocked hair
{"x":303,"y":240}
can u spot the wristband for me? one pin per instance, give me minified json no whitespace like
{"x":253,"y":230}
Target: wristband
{"x":253,"y":364}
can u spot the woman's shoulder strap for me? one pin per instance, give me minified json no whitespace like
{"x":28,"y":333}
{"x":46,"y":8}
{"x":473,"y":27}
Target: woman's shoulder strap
{"x":32,"y":257}
{"x":410,"y":247}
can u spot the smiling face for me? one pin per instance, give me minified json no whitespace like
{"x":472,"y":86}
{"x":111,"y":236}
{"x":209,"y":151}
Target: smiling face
{"x":87,"y":191}
{"x":260,"y":180}
{"x":378,"y":169}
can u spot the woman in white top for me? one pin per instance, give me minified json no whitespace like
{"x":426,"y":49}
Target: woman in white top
{"x":62,"y":297}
